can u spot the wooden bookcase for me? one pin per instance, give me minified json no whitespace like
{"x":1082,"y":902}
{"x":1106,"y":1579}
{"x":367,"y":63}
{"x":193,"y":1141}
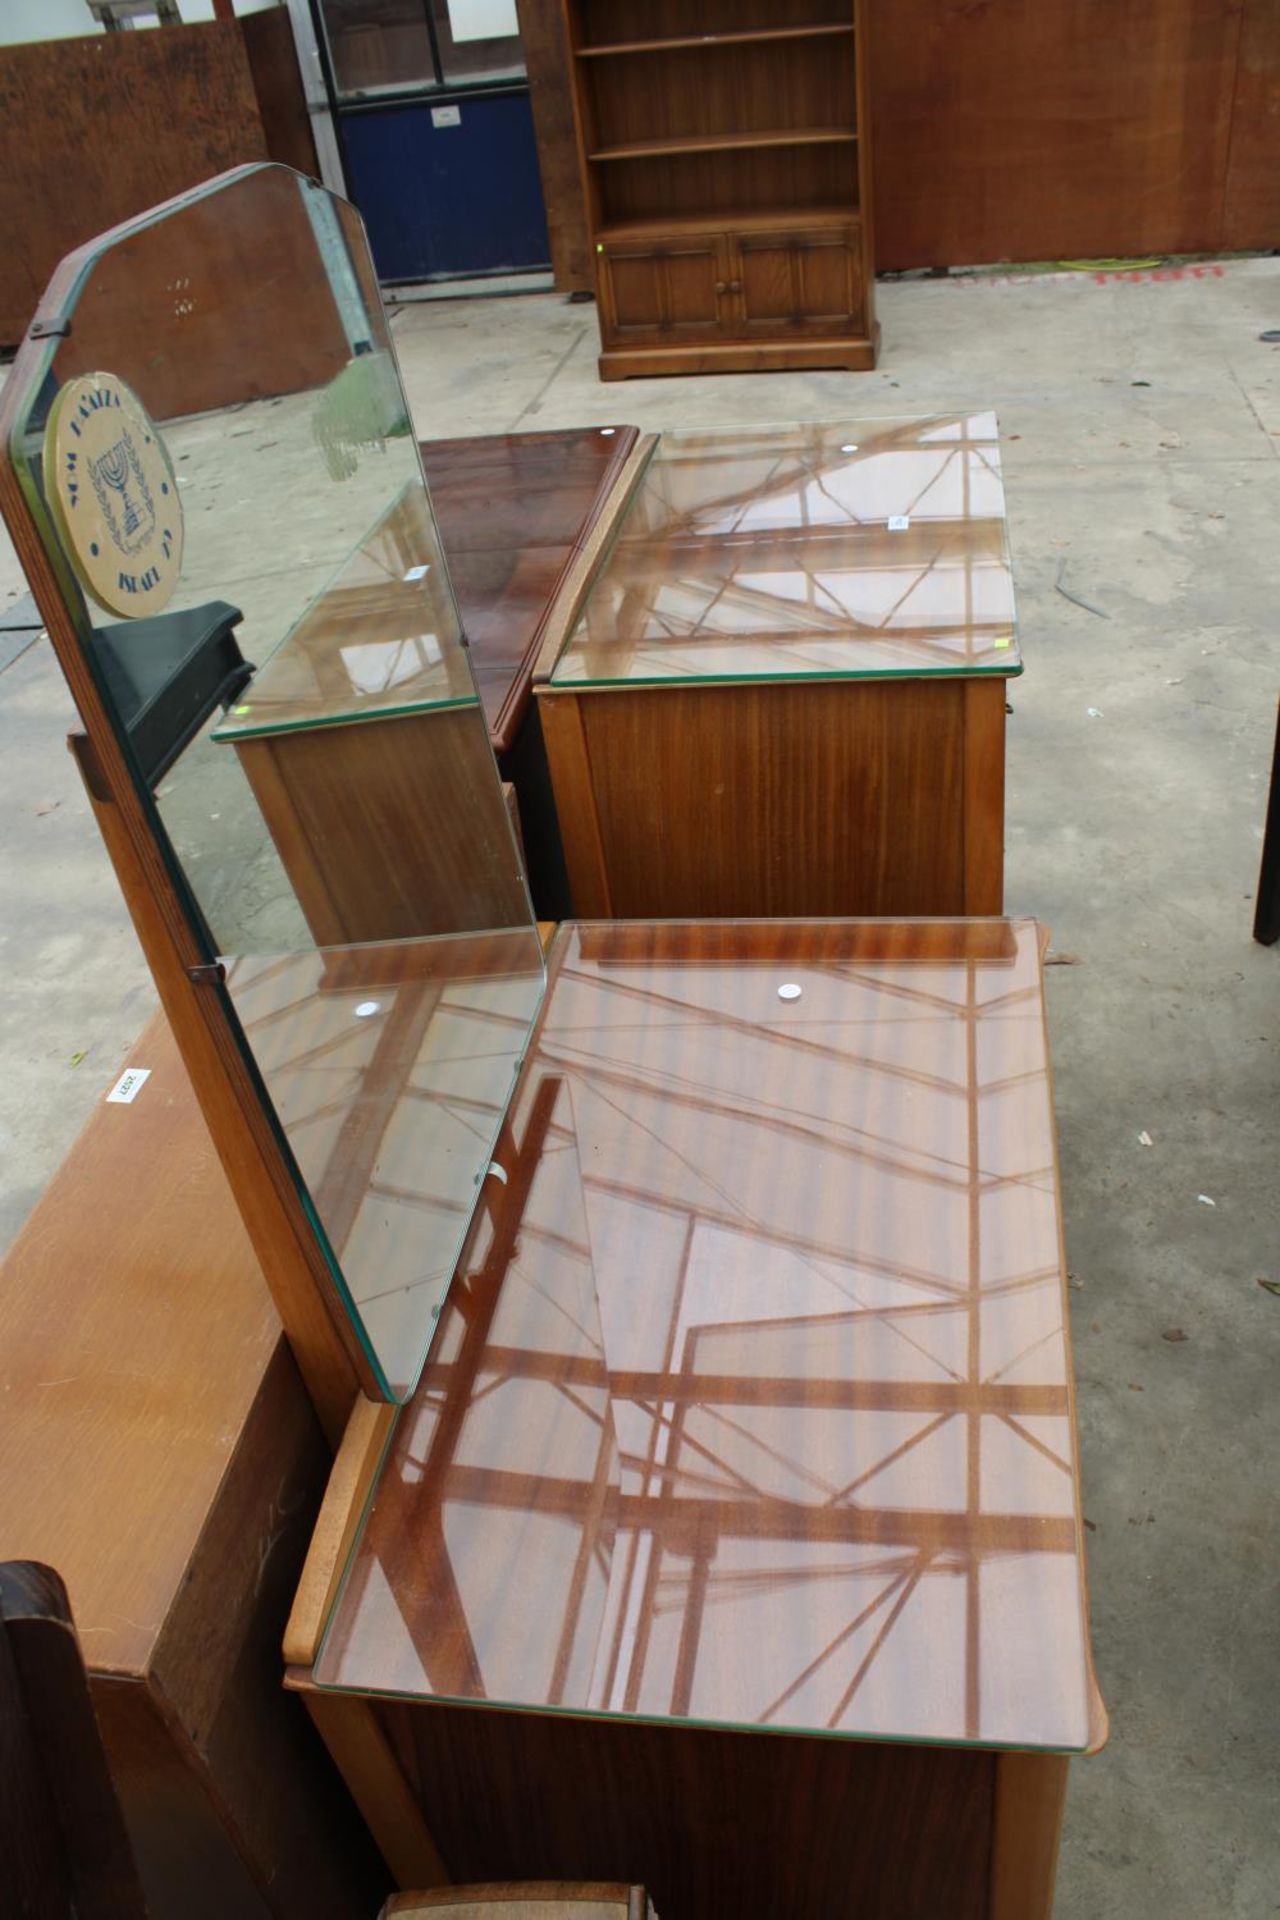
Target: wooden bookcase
{"x":727,"y":169}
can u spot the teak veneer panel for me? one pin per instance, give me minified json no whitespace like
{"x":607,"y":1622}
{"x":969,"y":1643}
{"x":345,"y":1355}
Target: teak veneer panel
{"x":749,"y":1824}
{"x":89,"y":1369}
{"x":850,"y":797}
{"x":158,"y":1448}
{"x":366,"y":821}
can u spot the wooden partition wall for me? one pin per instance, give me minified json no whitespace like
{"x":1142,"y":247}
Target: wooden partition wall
{"x":94,"y":130}
{"x":1024,"y":130}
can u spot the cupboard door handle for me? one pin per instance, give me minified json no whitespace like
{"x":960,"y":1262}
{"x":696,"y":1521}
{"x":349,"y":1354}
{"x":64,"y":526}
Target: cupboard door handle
{"x":721,"y":287}
{"x":735,"y":286}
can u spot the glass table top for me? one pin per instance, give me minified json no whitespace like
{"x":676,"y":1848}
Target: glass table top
{"x":382,"y":637}
{"x":876,"y":548}
{"x":751,"y":1401}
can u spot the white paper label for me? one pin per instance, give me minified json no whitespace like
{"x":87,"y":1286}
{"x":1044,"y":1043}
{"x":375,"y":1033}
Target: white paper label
{"x":899,"y":522}
{"x":483,"y":19}
{"x":446,"y":116}
{"x":129,"y":1085}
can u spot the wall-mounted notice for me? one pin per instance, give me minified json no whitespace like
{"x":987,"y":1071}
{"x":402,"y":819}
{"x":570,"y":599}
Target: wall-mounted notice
{"x":482,"y":19}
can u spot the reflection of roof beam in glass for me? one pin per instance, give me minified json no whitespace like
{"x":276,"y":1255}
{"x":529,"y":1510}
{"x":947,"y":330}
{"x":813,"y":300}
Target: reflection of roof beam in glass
{"x":768,"y":1411}
{"x":738,"y":559}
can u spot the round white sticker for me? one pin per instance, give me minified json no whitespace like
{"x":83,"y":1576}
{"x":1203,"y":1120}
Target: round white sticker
{"x":114,"y":495}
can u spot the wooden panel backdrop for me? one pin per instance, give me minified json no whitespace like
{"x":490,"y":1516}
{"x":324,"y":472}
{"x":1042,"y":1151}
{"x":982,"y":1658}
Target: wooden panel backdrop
{"x":95,"y":130}
{"x":1027,"y":129}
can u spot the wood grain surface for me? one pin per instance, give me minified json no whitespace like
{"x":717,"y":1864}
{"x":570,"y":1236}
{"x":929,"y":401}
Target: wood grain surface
{"x":525,"y":1900}
{"x":854,"y":797}
{"x":817,"y":1473}
{"x":392,"y":829}
{"x":1032,"y":133}
{"x":715,"y":149}
{"x":92,"y":1457}
{"x":355,"y":1468}
{"x":724,"y":1823}
{"x":277,"y":85}
{"x":1015,"y":133}
{"x":820,"y":1475}
{"x":94,"y":130}
{"x":513,"y":512}
{"x":546,"y":57}
{"x":159,"y":1448}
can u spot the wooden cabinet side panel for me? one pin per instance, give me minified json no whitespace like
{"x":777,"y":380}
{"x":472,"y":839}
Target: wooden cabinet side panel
{"x":373,"y":825}
{"x":355,"y":1733}
{"x":984,"y":704}
{"x":755,"y":1825}
{"x":826,"y":799}
{"x":218,"y":1673}
{"x":1030,"y":1798}
{"x":189,"y":1864}
{"x":548,"y":60}
{"x":564,"y":734}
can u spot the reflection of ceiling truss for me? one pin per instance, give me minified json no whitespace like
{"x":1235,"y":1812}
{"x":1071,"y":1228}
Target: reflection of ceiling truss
{"x":391,"y":1113}
{"x":791,"y":551}
{"x":754,"y":1469}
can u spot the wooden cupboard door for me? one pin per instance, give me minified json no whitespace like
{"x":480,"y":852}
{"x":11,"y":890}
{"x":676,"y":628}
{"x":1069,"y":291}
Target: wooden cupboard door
{"x":806,"y":282}
{"x":663,"y":290}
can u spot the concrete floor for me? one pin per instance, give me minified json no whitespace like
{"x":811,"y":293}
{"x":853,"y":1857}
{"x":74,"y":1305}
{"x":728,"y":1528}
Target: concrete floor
{"x":1143,"y":473}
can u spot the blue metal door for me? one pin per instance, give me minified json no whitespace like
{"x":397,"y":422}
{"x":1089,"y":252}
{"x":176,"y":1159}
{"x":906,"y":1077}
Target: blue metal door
{"x":436,"y":134}
{"x":448,"y":188}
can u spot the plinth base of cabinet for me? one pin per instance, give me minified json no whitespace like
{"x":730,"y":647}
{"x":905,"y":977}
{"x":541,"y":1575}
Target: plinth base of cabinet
{"x":741,"y":356}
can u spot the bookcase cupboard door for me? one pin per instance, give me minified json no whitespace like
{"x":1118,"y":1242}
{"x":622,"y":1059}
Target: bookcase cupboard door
{"x":811,"y":282}
{"x":663,"y":291}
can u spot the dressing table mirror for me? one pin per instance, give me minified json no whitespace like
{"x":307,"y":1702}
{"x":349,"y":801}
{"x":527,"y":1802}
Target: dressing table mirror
{"x":690,"y":1307}
{"x":212,"y":479}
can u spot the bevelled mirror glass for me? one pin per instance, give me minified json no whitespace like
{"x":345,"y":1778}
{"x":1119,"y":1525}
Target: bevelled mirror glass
{"x":218,"y":455}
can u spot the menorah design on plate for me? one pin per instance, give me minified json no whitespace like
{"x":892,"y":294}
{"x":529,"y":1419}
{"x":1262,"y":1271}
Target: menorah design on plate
{"x":123,"y":495}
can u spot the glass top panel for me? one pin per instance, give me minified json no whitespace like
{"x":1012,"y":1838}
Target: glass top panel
{"x":876,"y":547}
{"x":383,"y":638}
{"x":218,"y":456}
{"x":752,"y":1405}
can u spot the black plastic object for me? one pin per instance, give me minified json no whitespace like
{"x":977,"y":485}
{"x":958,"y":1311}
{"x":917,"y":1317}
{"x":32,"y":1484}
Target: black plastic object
{"x":167,"y":674}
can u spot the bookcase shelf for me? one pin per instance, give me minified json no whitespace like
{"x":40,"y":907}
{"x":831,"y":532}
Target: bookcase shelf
{"x":707,"y":42}
{"x":723,"y":239}
{"x":791,"y":218}
{"x":727,"y":142}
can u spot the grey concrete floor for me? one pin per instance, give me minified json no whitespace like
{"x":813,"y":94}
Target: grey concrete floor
{"x":1142,"y":464}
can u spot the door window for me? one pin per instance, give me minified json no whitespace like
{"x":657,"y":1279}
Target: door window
{"x":383,"y":47}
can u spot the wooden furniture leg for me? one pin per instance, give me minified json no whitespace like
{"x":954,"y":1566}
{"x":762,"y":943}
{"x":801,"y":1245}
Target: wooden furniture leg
{"x":1031,"y":1793}
{"x":375,"y":1779}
